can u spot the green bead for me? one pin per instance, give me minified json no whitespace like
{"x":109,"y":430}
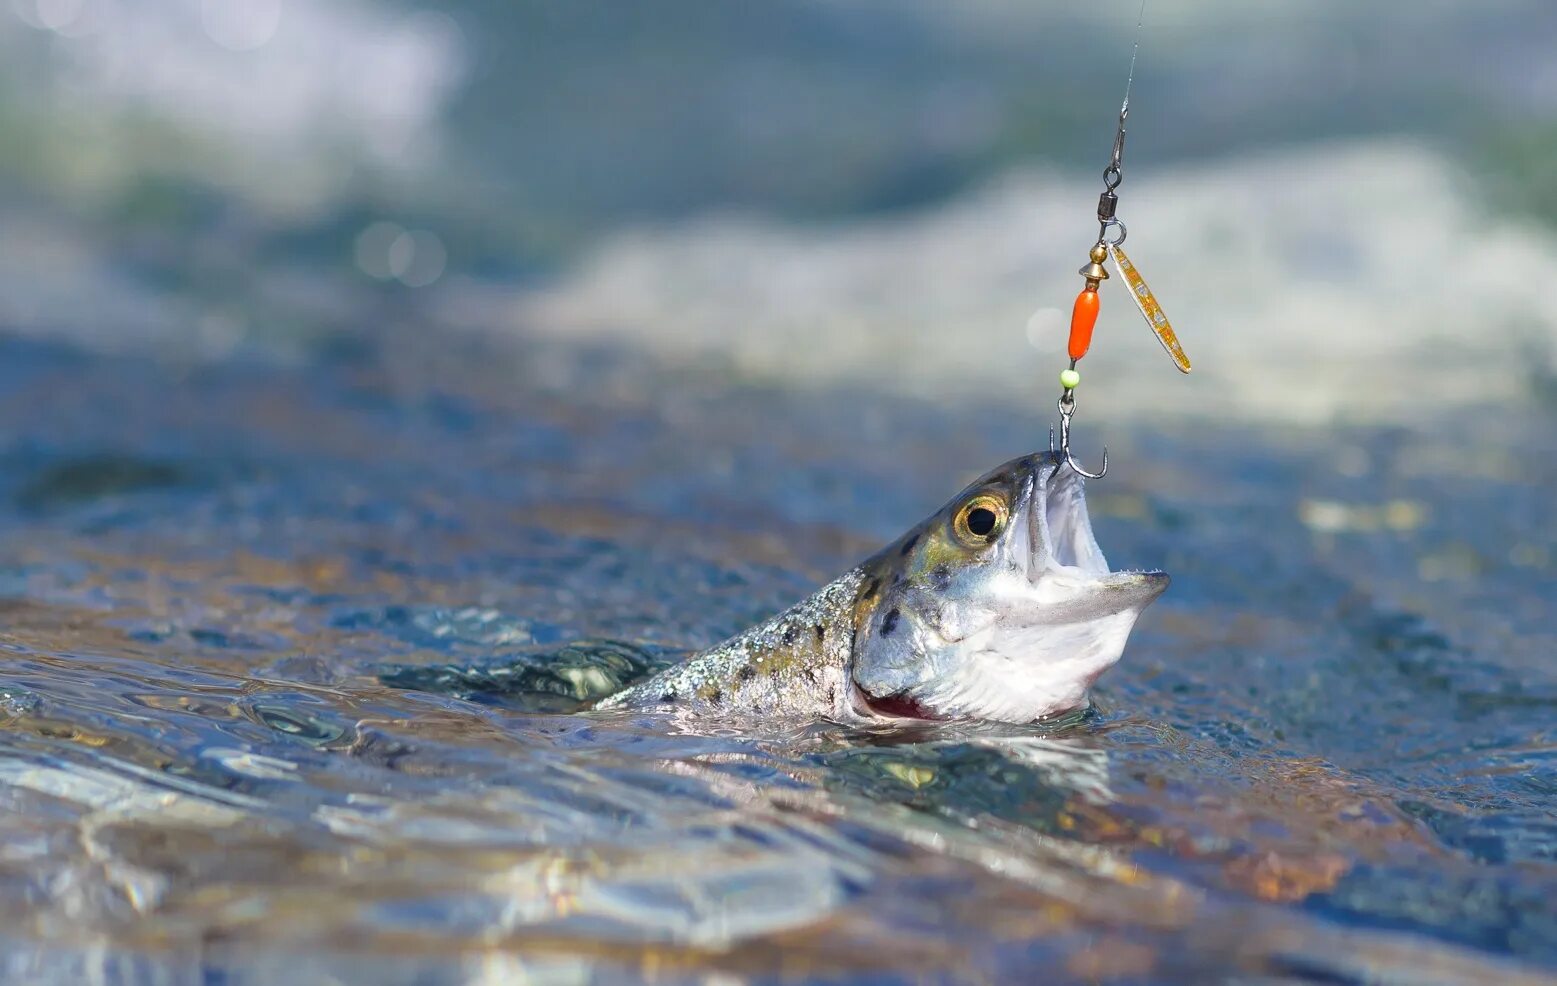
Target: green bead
{"x":1069,"y":379}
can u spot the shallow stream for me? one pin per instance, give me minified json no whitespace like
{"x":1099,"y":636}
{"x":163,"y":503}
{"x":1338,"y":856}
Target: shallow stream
{"x":1327,"y":756}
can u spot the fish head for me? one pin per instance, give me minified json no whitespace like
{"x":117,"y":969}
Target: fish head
{"x":1000,"y":606}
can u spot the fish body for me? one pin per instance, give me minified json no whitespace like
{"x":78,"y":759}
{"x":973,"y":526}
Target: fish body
{"x":998,"y":606}
{"x":794,"y":664}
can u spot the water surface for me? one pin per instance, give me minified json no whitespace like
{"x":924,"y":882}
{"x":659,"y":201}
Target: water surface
{"x":1326,"y":757}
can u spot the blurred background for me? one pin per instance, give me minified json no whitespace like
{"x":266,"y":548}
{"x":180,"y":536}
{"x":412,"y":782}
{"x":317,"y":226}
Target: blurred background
{"x":352,"y":344}
{"x":1347,"y":210}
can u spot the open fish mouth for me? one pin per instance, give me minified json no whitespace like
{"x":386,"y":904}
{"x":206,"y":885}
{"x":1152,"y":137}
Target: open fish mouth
{"x":1059,"y":617}
{"x":1064,"y":549}
{"x":1059,"y":529}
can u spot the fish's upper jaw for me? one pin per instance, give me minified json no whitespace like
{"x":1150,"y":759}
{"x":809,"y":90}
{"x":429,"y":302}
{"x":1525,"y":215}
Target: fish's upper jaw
{"x":1059,"y":529}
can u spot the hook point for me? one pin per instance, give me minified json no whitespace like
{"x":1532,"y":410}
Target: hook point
{"x":1103,"y":471}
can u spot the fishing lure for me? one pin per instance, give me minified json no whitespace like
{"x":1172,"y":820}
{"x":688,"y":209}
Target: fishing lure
{"x":1083,"y":317}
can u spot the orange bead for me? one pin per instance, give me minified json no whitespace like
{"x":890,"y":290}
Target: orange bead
{"x":1082,"y":318}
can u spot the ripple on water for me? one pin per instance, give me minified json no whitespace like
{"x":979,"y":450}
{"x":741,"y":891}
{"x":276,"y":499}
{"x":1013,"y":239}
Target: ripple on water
{"x":329,"y":703}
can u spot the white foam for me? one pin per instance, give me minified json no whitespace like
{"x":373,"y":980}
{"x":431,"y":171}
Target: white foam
{"x":1360,"y":279}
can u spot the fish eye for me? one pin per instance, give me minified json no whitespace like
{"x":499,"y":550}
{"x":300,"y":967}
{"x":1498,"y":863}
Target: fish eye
{"x":980,"y":520}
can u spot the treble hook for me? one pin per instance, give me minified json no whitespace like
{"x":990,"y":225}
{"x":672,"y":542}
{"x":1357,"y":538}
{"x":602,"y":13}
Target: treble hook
{"x":1067,"y":406}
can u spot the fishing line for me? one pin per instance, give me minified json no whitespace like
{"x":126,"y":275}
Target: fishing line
{"x":1140,"y":18}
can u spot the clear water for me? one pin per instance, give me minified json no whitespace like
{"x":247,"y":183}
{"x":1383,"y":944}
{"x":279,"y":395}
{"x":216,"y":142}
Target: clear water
{"x":1328,"y":755}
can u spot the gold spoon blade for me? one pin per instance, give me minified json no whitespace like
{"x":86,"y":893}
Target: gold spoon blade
{"x":1150,"y":309}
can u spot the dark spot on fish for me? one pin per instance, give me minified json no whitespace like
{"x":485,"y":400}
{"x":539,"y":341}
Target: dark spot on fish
{"x":821,"y":631}
{"x":667,"y":696}
{"x":889,"y":623}
{"x":870,"y":590}
{"x":909,"y":544}
{"x":745,"y":673}
{"x":713,"y":694}
{"x":789,"y":634}
{"x":940,"y":576}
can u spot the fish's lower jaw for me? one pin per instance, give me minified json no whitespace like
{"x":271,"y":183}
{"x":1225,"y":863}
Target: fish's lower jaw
{"x":1129,"y":591}
{"x":1066,"y":599}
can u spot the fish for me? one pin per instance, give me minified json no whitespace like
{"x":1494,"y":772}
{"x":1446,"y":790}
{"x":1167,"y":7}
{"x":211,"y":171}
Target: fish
{"x":1000,"y":606}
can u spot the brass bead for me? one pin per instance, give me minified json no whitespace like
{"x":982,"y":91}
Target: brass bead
{"x":1094,"y":272}
{"x":1099,"y":253}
